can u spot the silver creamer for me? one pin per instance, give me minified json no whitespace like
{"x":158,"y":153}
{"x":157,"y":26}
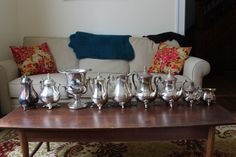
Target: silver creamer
{"x":50,"y":94}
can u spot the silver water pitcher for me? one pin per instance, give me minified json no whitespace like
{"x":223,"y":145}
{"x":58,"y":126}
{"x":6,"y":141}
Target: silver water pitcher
{"x":76,"y":86}
{"x":170,"y":93}
{"x":99,"y":88}
{"x":28,"y":97}
{"x":121,"y":89}
{"x":50,"y":94}
{"x":144,"y":89}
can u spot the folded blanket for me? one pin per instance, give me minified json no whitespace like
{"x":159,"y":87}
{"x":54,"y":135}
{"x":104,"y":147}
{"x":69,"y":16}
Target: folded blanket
{"x":87,"y":45}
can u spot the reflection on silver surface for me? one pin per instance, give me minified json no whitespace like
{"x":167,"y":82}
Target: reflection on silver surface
{"x":76,"y":86}
{"x":50,"y":94}
{"x":209,"y":95}
{"x":144,"y":90}
{"x":99,"y":88}
{"x":170,"y":93}
{"x":121,"y":89}
{"x":28,"y":96}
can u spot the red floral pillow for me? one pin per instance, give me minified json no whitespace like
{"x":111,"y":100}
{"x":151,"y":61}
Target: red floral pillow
{"x":170,"y":59}
{"x":35,"y":59}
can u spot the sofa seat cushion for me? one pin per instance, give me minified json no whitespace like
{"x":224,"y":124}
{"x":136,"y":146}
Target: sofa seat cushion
{"x":15,"y":86}
{"x":109,"y":66}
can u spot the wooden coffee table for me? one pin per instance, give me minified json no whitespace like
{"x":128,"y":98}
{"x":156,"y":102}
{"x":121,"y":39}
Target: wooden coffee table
{"x":133,"y":123}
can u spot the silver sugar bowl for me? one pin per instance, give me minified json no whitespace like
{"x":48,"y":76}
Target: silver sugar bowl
{"x":191,"y":93}
{"x":76,"y":86}
{"x":99,"y":88}
{"x":209,"y":95}
{"x":50,"y":94}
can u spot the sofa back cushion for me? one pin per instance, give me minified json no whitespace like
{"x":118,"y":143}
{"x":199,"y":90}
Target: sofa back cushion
{"x":144,"y":50}
{"x":62,"y":54}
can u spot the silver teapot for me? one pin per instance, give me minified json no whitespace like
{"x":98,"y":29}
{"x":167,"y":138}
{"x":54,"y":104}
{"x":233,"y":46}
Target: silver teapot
{"x":121,"y":89}
{"x":191,"y":93}
{"x":169,"y":92}
{"x":76,"y":86}
{"x":28,"y":96}
{"x":99,"y":88}
{"x":50,"y":94}
{"x":144,"y":90}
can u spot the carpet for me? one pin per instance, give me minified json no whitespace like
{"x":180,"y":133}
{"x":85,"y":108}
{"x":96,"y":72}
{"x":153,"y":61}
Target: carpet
{"x":225,"y":146}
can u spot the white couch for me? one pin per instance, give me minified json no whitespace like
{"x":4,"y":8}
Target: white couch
{"x":194,"y":68}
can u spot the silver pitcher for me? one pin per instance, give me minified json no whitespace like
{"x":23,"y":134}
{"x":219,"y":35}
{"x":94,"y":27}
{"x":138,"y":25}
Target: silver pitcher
{"x":28,"y":96}
{"x":76,"y":86}
{"x":99,"y":88}
{"x":121,"y":92}
{"x":144,"y":90}
{"x":50,"y":94}
{"x":170,"y":93}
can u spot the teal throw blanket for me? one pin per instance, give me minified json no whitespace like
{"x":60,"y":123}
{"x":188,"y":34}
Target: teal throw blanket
{"x":87,"y":45}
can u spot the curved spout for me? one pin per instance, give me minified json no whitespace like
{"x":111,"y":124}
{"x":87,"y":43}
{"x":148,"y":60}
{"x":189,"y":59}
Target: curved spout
{"x":90,"y":82}
{"x":179,"y":92}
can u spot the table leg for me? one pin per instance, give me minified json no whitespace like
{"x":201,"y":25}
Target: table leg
{"x":23,"y":143}
{"x":48,"y":146}
{"x":210,"y":141}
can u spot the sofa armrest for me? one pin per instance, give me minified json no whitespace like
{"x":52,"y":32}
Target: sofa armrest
{"x":8,"y":72}
{"x":9,"y":68}
{"x":195,"y":69}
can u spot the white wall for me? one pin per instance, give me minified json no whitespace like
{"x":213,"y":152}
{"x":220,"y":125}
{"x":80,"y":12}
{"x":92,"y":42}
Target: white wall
{"x":8,"y":27}
{"x":63,"y":17}
{"x":19,"y":18}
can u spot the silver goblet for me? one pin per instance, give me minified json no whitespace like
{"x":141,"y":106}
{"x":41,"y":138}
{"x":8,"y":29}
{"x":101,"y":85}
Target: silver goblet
{"x":76,"y":86}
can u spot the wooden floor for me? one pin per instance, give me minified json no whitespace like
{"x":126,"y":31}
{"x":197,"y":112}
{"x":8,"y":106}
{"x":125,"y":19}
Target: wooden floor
{"x":214,"y":39}
{"x":225,"y":85}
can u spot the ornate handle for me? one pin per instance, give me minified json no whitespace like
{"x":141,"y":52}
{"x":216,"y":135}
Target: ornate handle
{"x":135,"y":86}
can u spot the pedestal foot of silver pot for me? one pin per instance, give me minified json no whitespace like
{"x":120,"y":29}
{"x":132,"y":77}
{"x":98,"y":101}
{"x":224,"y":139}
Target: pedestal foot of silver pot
{"x":77,"y":104}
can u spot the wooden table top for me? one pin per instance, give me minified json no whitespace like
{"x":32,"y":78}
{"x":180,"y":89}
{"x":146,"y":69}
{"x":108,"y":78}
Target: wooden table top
{"x":135,"y":116}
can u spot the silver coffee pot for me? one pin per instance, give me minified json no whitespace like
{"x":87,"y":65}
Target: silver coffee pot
{"x":144,"y":90}
{"x":121,"y":89}
{"x":76,"y":86}
{"x":169,"y":92}
{"x":28,"y":96}
{"x":99,"y":88}
{"x":50,"y":94}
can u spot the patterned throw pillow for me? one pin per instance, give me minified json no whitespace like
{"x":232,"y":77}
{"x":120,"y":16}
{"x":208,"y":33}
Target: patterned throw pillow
{"x":35,"y":59}
{"x":170,"y":59}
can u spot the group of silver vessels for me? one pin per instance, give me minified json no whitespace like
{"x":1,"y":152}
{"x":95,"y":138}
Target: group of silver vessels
{"x":120,"y":88}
